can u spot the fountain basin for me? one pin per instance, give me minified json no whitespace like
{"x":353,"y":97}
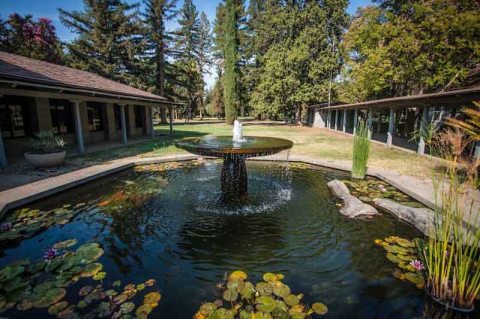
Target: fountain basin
{"x":234,"y":173}
{"x":224,"y":146}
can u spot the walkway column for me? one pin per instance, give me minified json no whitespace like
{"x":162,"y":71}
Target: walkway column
{"x":421,"y":142}
{"x":123,"y":124}
{"x":379,"y":123}
{"x":391,"y":121}
{"x":152,"y":133}
{"x":477,"y":151}
{"x":171,"y":119}
{"x":336,"y":120}
{"x":369,"y":123}
{"x":3,"y":155}
{"x":355,"y":121}
{"x":344,"y":128}
{"x":327,"y":112}
{"x":78,"y":126}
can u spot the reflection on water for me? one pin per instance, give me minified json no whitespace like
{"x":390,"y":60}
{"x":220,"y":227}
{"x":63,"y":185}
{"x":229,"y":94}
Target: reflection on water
{"x":170,"y":225}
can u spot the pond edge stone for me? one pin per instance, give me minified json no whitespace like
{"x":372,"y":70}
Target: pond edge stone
{"x":352,"y":207}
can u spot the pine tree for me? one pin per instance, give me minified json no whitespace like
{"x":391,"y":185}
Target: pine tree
{"x":186,"y":52}
{"x":230,"y":88}
{"x":157,"y":13}
{"x":109,"y":42}
{"x":204,"y":56}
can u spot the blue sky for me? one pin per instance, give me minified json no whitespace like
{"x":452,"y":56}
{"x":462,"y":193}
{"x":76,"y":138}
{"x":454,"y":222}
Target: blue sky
{"x":48,"y":9}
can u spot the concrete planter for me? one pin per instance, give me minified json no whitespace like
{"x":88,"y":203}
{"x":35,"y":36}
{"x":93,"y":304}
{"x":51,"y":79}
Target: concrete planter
{"x":45,"y":160}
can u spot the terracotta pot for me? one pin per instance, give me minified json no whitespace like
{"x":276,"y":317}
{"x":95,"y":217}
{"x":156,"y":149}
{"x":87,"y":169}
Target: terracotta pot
{"x":45,"y":160}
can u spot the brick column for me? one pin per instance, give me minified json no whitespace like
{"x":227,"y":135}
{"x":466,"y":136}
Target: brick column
{"x":110,"y":128}
{"x":44,"y":118}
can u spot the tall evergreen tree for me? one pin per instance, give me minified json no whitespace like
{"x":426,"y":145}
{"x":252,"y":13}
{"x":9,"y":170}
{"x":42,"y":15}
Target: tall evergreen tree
{"x":186,"y":52}
{"x":204,"y":56}
{"x":109,"y":42}
{"x":230,"y":87}
{"x":157,"y":13}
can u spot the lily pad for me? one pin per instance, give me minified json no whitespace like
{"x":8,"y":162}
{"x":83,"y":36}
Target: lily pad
{"x":319,"y":308}
{"x":152,"y":298}
{"x":100,"y":275}
{"x":56,"y":308}
{"x":291,"y":300}
{"x":127,"y":307}
{"x":91,"y":270}
{"x":65,"y":244}
{"x":265,"y":303}
{"x":280,"y":289}
{"x":238,"y":275}
{"x":230,"y":295}
{"x":49,"y":297}
{"x":264,"y":289}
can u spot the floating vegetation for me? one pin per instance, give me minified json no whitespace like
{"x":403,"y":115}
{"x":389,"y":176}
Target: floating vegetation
{"x":268,"y":299}
{"x":43,"y":284}
{"x":164,"y":167}
{"x":369,"y":189}
{"x":298,"y":165}
{"x":403,"y":252}
{"x":130,"y":196}
{"x":26,"y":222}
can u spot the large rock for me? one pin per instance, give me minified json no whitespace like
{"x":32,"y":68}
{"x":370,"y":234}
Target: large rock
{"x":421,"y":218}
{"x":352,"y":207}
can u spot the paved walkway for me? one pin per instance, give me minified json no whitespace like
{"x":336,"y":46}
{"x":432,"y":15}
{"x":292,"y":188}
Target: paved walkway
{"x":421,"y":190}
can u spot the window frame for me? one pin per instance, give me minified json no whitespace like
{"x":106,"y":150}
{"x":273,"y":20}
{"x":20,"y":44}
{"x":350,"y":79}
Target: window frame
{"x":68,"y":121}
{"x":94,"y":108}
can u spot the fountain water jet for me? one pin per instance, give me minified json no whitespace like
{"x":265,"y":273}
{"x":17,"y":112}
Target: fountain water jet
{"x":234,"y":151}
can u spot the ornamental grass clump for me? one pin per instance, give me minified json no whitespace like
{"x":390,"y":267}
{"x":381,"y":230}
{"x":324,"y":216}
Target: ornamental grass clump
{"x":361,"y":150}
{"x":451,"y":253}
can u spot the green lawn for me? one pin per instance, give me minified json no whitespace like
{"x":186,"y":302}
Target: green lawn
{"x":308,"y":141}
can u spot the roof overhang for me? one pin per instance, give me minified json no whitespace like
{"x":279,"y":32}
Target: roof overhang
{"x":75,"y":90}
{"x":456,"y":97}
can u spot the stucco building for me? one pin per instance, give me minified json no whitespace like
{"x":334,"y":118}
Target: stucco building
{"x":82,"y":107}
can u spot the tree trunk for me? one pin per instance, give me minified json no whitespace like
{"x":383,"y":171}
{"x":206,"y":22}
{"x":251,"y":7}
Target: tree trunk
{"x":298,"y":116}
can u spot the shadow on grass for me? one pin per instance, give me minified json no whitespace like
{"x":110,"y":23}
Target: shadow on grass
{"x":163,"y":142}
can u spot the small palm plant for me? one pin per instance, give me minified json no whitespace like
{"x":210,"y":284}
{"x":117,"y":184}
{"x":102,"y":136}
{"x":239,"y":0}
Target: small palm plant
{"x":361,"y":150}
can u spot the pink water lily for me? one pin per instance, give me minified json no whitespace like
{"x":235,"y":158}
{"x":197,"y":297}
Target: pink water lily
{"x":6,"y":226}
{"x":50,"y":254}
{"x":417,"y":264}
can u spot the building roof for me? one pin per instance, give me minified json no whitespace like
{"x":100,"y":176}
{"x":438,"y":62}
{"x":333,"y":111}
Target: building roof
{"x":26,"y":71}
{"x":457,"y":97}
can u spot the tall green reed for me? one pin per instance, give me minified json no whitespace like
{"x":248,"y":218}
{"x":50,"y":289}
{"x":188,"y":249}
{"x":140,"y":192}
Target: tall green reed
{"x":451,"y":253}
{"x":361,"y":150}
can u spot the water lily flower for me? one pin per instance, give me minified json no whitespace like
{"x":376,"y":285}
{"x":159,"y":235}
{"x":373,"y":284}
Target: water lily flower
{"x":50,"y":254}
{"x":6,"y":226}
{"x":417,"y":264}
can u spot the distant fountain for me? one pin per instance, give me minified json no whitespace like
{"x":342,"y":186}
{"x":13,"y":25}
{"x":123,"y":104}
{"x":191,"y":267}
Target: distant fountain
{"x":234,"y":150}
{"x":237,"y":132}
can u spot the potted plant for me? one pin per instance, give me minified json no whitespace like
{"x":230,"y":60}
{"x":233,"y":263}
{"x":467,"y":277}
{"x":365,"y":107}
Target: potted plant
{"x":48,"y":150}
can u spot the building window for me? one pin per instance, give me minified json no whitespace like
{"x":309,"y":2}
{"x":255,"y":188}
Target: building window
{"x":95,"y":117}
{"x":117,"y":116}
{"x":62,"y":116}
{"x":138,"y":116}
{"x":12,"y":119}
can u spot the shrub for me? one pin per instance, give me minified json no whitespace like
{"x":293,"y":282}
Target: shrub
{"x":46,"y":142}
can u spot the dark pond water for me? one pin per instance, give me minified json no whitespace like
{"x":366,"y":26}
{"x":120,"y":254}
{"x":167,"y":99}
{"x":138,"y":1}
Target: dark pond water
{"x":182,"y":235}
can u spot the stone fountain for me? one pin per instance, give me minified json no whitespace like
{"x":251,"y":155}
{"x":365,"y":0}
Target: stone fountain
{"x":234,"y":150}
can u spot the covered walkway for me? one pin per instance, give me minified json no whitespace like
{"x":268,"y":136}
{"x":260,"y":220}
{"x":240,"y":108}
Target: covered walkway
{"x":393,"y":120}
